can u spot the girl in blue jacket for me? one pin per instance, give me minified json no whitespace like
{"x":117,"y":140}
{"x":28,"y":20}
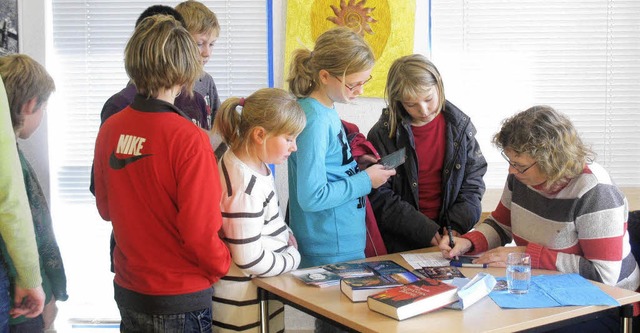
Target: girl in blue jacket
{"x":326,"y":189}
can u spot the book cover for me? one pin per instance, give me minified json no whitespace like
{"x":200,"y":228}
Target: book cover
{"x":357,"y":289}
{"x":470,"y":292}
{"x":412,"y":299}
{"x":349,"y":269}
{"x":441,"y":272}
{"x":318,"y":277}
{"x":386,"y":267}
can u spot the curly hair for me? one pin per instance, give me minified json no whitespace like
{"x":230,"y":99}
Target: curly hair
{"x":550,"y":138}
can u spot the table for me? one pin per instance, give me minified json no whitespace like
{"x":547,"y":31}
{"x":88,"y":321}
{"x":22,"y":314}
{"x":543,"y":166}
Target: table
{"x":485,"y":316}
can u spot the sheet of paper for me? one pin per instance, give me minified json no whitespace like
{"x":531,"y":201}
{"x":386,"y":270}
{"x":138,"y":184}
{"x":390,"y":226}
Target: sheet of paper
{"x":429,"y":259}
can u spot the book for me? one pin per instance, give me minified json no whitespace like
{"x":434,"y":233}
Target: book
{"x":470,"y":292}
{"x":412,"y":299}
{"x":441,"y":272}
{"x":317,"y":276}
{"x":385,"y":267}
{"x":350,"y":269}
{"x":385,"y":274}
{"x":357,"y":289}
{"x":394,"y":159}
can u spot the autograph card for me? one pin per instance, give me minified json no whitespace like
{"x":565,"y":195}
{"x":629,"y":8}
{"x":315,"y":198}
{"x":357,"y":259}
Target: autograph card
{"x":394,"y":159}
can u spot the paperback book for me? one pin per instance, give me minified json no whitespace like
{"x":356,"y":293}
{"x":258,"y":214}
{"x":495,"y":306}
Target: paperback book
{"x":441,"y":272}
{"x":470,"y":292}
{"x":317,"y":276}
{"x":412,"y":299}
{"x":350,"y":269}
{"x":385,"y":274}
{"x":357,"y":289}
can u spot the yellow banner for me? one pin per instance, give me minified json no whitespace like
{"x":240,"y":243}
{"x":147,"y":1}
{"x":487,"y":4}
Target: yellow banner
{"x":390,"y":33}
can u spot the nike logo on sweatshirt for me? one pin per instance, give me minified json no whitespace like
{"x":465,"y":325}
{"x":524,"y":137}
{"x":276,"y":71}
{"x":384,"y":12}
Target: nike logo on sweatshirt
{"x":127,"y":145}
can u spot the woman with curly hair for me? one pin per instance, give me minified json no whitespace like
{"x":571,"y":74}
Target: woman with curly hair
{"x":558,"y":205}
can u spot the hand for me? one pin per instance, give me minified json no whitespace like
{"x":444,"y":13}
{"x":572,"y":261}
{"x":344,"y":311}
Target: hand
{"x":379,"y":175}
{"x":461,"y":246}
{"x":436,"y":239}
{"x":498,"y":257}
{"x":292,"y":240}
{"x":366,"y":160}
{"x":27,"y":302}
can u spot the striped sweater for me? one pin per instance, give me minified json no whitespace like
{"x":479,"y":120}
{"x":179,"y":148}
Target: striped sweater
{"x":580,"y":228}
{"x":257,"y":237}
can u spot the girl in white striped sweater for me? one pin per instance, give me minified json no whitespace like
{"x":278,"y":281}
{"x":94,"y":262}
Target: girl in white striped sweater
{"x":259,"y":130}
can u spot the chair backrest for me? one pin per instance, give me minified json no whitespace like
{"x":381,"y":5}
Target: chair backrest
{"x":633,"y":227}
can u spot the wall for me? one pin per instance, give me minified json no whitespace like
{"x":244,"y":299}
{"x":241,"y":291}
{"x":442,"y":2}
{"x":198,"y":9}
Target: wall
{"x":32,"y":41}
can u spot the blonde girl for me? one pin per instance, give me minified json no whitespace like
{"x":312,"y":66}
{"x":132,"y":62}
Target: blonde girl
{"x":259,"y":130}
{"x":326,"y":189}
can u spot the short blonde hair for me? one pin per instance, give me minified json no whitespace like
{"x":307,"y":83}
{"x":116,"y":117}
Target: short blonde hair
{"x":275,"y":110}
{"x":339,"y":51}
{"x":549,"y":137}
{"x":409,"y":77}
{"x":24,"y":79}
{"x":198,"y":18}
{"x":161,"y":54}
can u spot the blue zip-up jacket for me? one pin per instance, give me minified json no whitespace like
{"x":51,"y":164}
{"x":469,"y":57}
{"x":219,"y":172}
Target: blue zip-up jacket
{"x":326,"y":191}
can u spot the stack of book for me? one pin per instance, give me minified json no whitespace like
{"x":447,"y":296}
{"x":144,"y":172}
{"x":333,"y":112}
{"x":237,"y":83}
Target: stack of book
{"x":413,"y":299}
{"x":385,"y":274}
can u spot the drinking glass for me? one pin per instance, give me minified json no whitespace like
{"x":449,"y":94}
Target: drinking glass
{"x":518,"y":272}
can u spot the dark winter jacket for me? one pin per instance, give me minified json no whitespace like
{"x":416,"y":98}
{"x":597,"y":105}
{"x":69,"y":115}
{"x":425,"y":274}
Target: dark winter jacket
{"x":402,"y":225}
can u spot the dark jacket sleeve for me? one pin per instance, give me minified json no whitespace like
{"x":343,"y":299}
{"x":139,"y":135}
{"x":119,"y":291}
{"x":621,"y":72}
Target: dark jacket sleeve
{"x":466,"y":208}
{"x":402,"y":226}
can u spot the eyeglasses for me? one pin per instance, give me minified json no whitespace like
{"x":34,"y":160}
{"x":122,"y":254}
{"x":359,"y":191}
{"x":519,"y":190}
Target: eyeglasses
{"x":355,"y":86}
{"x":513,"y":165}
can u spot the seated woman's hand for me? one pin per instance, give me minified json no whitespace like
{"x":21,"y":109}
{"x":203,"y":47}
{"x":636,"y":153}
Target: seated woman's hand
{"x":498,"y":257}
{"x":461,"y":246}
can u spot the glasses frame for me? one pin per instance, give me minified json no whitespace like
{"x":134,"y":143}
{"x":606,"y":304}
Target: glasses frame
{"x":353,"y":87}
{"x":513,"y":165}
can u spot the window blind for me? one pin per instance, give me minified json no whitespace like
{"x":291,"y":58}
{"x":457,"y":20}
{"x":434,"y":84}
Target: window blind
{"x":86,"y":60}
{"x":582,"y":58}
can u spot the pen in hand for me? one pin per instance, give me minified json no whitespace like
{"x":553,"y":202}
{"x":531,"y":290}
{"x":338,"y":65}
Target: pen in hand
{"x":450,"y":232}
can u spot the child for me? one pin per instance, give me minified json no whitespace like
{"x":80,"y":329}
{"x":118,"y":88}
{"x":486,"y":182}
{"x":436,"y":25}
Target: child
{"x":442,"y":155}
{"x":262,"y":131}
{"x":156,"y":180}
{"x":193,"y":106}
{"x":203,"y":25}
{"x":326,"y":189}
{"x":28,"y":87}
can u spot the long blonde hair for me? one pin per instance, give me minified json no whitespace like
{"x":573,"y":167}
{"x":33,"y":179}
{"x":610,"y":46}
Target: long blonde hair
{"x":550,"y":138}
{"x":275,"y":110}
{"x":339,"y":51}
{"x":409,"y":77}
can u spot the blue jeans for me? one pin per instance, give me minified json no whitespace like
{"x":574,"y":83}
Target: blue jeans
{"x":191,"y":322}
{"x":5,"y":299}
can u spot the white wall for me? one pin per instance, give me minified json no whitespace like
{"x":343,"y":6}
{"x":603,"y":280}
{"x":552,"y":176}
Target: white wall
{"x":32,"y":37}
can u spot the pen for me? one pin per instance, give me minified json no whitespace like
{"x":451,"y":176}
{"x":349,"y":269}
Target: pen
{"x":459,"y":264}
{"x":450,"y":232}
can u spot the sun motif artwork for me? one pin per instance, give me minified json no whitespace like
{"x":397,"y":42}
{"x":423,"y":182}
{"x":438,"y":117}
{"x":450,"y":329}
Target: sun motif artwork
{"x":387,"y":26}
